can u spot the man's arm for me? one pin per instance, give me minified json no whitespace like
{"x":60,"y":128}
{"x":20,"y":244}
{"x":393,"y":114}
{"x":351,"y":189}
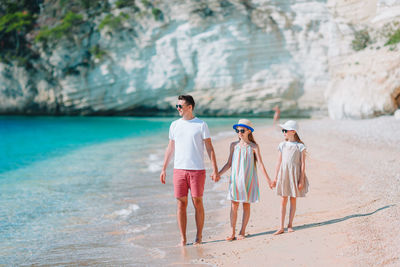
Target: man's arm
{"x":167,"y":157}
{"x":211,"y":155}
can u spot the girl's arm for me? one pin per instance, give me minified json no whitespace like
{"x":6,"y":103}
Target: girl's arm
{"x":278,"y":166}
{"x":303,"y":170}
{"x":228,"y":164}
{"x":259,"y":158}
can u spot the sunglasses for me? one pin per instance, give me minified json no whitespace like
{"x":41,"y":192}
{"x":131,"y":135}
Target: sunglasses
{"x":179,"y":106}
{"x":285,"y":131}
{"x":240,"y":131}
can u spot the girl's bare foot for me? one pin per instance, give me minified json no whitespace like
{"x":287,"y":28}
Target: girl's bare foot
{"x":241,"y":237}
{"x":290,"y":229}
{"x":280,"y":231}
{"x":230,"y":238}
{"x":197,"y":241}
{"x":182,"y":243}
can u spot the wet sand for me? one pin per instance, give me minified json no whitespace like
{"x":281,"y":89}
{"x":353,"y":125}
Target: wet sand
{"x":349,"y":217}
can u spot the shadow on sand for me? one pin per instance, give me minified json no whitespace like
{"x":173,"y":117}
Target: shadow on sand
{"x":311,"y":225}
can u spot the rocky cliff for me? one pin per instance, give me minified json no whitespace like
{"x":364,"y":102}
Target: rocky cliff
{"x":233,"y":56}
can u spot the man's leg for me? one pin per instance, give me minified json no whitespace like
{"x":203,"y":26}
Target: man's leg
{"x":182,"y":218}
{"x":199,"y":210}
{"x":197,"y":180}
{"x":181,"y":191}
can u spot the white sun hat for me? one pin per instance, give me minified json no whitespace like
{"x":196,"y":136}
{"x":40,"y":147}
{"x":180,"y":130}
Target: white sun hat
{"x":290,"y":125}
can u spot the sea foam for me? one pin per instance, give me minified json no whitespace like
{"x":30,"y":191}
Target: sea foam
{"x":126,"y":212}
{"x":154,"y":162}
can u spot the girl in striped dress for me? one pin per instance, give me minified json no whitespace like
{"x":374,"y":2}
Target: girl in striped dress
{"x":243,"y":183}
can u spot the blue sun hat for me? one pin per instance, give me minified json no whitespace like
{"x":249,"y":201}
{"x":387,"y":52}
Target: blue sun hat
{"x":244,"y":123}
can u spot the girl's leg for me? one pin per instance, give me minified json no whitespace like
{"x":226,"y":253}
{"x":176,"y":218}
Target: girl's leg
{"x":291,"y":214}
{"x":234,"y":210}
{"x":283,"y":214}
{"x":245,"y":220}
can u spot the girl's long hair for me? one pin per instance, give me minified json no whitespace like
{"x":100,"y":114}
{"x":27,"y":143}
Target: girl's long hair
{"x":297,"y":138}
{"x":251,"y":139}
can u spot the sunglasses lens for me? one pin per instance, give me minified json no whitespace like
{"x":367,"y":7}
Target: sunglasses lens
{"x":284,"y":131}
{"x":178,"y":106}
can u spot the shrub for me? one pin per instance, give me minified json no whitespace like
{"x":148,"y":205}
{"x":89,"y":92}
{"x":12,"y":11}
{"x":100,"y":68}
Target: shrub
{"x":394,"y":38}
{"x":124,"y":3}
{"x":18,"y":21}
{"x":361,"y":40}
{"x":97,"y":52}
{"x":112,"y":21}
{"x":157,"y":14}
{"x":147,"y":3}
{"x":70,"y":20}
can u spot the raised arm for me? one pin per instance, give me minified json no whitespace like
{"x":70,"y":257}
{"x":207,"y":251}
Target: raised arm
{"x":303,"y":170}
{"x":167,"y":157}
{"x":278,"y":166}
{"x":211,"y":155}
{"x":260,"y":162}
{"x":228,"y":164}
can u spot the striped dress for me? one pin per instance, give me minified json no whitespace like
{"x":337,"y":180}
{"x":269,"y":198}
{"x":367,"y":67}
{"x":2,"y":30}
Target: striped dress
{"x":243,"y":183}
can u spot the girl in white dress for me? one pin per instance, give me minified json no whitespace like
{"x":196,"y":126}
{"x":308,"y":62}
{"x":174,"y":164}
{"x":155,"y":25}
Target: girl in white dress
{"x":290,"y":178}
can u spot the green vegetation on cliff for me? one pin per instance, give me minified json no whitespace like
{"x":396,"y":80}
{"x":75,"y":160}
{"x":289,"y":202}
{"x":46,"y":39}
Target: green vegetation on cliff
{"x":64,"y":28}
{"x":394,"y":38}
{"x":26,"y":26}
{"x":17,"y":19}
{"x":361,"y":40}
{"x":113,"y":22}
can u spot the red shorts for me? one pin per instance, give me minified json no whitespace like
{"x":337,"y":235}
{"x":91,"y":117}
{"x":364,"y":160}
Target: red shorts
{"x":189,"y":179}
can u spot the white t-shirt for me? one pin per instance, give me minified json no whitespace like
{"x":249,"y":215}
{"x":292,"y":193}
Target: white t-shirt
{"x":189,"y":138}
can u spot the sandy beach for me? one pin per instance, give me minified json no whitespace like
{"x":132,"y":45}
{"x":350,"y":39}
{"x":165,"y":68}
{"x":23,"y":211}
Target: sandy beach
{"x":350,"y":216}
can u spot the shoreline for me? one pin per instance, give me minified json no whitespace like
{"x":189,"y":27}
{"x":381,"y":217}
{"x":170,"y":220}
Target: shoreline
{"x":349,"y":216}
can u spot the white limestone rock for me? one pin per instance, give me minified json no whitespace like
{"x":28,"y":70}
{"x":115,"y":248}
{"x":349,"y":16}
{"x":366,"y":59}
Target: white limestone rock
{"x":246,"y":57}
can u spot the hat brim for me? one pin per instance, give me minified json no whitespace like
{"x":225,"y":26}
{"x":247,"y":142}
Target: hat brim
{"x":289,"y":129}
{"x":243,"y":125}
{"x":286,"y":128}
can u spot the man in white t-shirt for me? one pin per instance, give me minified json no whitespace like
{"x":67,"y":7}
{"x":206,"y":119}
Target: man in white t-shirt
{"x":187,"y":138}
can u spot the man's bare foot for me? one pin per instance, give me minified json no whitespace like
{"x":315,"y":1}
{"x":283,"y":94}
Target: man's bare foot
{"x":241,"y":237}
{"x":182,"y":243}
{"x":197,"y":241}
{"x":290,"y":229}
{"x":280,"y":231}
{"x":230,"y":238}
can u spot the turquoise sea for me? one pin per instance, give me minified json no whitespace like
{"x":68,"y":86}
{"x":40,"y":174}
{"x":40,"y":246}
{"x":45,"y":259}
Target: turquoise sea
{"x":86,"y":191}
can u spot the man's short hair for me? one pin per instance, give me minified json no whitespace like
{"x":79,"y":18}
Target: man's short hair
{"x":188,"y":99}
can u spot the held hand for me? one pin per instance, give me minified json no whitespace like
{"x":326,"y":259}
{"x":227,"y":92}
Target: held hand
{"x":274,"y":183}
{"x":301,"y":186}
{"x":271,"y":184}
{"x":162,"y":177}
{"x":215,"y":176}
